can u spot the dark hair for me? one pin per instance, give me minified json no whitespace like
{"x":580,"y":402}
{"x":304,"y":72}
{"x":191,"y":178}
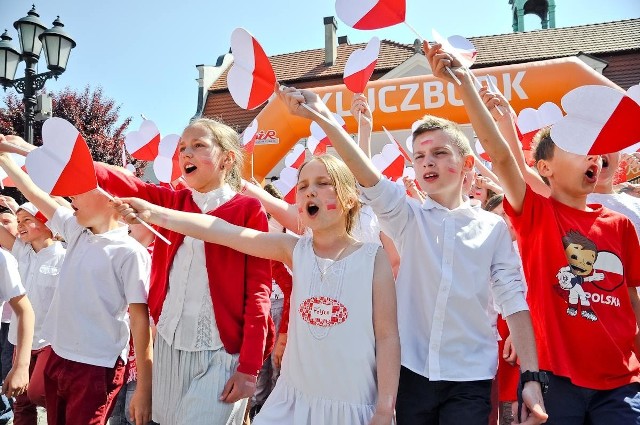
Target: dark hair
{"x":575,"y":237}
{"x":543,"y":147}
{"x":493,"y":202}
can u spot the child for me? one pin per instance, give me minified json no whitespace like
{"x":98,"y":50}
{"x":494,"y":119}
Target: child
{"x":39,"y":261}
{"x":450,"y":252}
{"x":210,"y":303}
{"x":585,"y":308}
{"x":104,"y":272}
{"x":342,"y":334}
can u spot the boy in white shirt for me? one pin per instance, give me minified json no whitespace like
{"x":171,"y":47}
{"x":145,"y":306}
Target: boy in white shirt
{"x":105,"y":272}
{"x":451,"y":252}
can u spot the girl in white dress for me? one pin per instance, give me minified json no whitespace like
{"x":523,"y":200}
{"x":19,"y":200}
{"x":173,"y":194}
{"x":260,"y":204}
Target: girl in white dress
{"x":342,"y":360}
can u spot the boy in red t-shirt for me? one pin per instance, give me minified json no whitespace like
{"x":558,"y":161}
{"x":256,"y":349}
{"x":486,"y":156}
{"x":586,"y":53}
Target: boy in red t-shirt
{"x":579,"y":263}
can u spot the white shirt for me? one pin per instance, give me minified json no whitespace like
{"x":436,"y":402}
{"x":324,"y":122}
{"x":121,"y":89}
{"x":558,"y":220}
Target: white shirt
{"x":454,"y":264}
{"x":10,"y":284}
{"x":39,"y":272}
{"x":367,"y":228}
{"x":101,"y":275}
{"x":187,"y":321}
{"x":623,"y":203}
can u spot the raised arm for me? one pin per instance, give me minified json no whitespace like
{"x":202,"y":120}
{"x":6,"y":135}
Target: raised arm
{"x":361,"y":166}
{"x":42,"y":201}
{"x":504,"y":164}
{"x":362,"y":114}
{"x":281,"y":210}
{"x":272,"y":246}
{"x":507,"y":126}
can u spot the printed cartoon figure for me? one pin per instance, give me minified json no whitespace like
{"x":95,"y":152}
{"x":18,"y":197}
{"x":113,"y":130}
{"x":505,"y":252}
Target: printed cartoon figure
{"x":581,"y":253}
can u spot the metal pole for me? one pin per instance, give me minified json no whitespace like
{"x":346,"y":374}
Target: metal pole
{"x":29,"y":99}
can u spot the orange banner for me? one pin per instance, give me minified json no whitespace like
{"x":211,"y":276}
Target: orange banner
{"x":397,"y":103}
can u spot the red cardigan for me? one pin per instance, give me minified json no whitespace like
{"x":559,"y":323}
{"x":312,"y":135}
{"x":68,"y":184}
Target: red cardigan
{"x":240,"y":285}
{"x":284,"y":280}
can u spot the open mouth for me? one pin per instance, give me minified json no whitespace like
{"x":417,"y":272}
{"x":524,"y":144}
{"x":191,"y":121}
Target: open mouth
{"x":189,"y":168}
{"x":312,"y":210}
{"x":430,"y":177}
{"x":592,"y":174}
{"x":577,"y":269}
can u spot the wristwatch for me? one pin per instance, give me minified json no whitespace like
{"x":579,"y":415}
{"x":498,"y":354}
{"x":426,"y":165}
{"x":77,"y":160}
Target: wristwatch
{"x":540,"y":377}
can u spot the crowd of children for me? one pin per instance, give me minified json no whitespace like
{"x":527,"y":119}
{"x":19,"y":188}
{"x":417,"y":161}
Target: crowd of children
{"x":392,"y":303}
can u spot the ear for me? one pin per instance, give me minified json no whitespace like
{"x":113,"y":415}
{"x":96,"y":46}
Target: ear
{"x":230,"y":157}
{"x":544,"y":168}
{"x":468,"y":162}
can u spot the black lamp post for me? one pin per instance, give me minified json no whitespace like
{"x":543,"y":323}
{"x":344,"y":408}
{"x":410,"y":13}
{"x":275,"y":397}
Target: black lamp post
{"x":33,"y":36}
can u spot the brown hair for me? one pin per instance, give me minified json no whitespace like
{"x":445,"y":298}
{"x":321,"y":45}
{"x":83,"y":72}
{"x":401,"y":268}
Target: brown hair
{"x":493,"y":202}
{"x":543,"y":147}
{"x":229,"y":141}
{"x":450,"y":128}
{"x":345,"y":184}
{"x":575,"y":237}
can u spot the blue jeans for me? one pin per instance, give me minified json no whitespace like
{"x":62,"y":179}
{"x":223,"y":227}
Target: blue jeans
{"x":120,"y":414}
{"x":6,"y":361}
{"x":569,"y":404}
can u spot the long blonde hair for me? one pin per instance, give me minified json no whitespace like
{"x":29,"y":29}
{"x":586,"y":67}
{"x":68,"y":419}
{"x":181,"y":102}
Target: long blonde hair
{"x":345,"y":184}
{"x":229,"y":141}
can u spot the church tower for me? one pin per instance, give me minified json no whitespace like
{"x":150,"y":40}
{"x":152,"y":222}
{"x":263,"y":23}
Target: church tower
{"x":545,"y":9}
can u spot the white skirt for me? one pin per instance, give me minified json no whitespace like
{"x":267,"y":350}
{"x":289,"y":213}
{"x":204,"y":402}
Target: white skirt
{"x":287,"y":405}
{"x":187,"y":385}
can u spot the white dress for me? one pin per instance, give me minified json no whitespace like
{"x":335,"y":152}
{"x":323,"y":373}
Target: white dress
{"x":328,"y":371}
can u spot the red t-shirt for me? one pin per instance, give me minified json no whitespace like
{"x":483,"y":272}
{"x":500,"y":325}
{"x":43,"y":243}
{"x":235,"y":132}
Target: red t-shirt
{"x":578,"y":266}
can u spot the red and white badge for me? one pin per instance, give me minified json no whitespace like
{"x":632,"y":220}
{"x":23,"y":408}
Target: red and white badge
{"x":371,"y":14}
{"x":251,"y":79}
{"x":62,"y":166}
{"x":143,"y":144}
{"x":599,"y":120}
{"x":323,"y":311}
{"x":360,"y":66}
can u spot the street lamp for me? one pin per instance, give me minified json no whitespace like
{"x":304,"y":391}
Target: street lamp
{"x":33,"y":34}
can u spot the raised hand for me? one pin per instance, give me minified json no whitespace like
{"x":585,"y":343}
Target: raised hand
{"x":439,"y":61}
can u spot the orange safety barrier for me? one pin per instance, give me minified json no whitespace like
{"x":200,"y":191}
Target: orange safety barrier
{"x":397,"y":103}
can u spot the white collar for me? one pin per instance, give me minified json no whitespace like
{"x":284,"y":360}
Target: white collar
{"x":209,"y":201}
{"x":465,"y":207}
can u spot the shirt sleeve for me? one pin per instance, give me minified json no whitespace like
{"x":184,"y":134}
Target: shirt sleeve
{"x":135,"y":273}
{"x":120,"y":184}
{"x":389,"y":202}
{"x":10,"y":284}
{"x":257,"y":302}
{"x":532,"y":205}
{"x":506,"y":275}
{"x":65,"y":223}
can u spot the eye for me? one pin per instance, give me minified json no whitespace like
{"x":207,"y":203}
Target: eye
{"x":589,"y":263}
{"x":418,"y":156}
{"x":181,"y":149}
{"x":574,"y":257}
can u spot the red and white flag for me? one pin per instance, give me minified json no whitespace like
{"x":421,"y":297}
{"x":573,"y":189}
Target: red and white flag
{"x":599,"y":120}
{"x":286,"y":184}
{"x":62,"y":166}
{"x":360,"y":66}
{"x":531,"y":120}
{"x":251,"y":79}
{"x":295,"y":158}
{"x":393,"y":140}
{"x":166,"y":166}
{"x":248,"y":137}
{"x":390,"y":162}
{"x":143,"y":144}
{"x":318,"y":142}
{"x":5,"y":180}
{"x":371,"y":14}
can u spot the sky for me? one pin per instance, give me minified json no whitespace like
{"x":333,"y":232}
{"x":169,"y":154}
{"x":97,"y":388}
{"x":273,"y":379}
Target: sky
{"x":143,"y":53}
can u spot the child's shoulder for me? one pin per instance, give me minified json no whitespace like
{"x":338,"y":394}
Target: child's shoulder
{"x":7,"y":259}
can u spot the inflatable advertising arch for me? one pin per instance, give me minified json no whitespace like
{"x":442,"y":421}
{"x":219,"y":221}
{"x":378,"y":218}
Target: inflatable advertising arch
{"x":397,"y":103}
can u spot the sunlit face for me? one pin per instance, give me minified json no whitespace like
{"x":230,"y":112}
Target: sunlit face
{"x":92,"y":208}
{"x":202,"y":161}
{"x":437,"y":162}
{"x":9,"y":222}
{"x":316,"y":197}
{"x":570,"y":173}
{"x":31,"y":229}
{"x":580,"y":260}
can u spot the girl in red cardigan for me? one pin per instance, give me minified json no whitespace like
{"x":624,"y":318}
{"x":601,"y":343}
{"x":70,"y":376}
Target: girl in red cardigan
{"x":210,"y":302}
{"x":342,"y":360}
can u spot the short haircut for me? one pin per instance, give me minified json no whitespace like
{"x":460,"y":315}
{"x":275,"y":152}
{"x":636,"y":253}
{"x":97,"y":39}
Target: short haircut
{"x":575,"y":237}
{"x":543,"y":147}
{"x":493,"y":202}
{"x":450,"y":128}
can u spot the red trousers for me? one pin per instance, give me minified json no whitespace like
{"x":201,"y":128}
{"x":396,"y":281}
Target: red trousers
{"x":79,"y":393}
{"x":24,"y":407}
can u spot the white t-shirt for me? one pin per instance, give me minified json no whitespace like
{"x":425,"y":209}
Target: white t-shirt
{"x":10,"y":284}
{"x":39,"y":272}
{"x":626,"y":205}
{"x":101,"y":275}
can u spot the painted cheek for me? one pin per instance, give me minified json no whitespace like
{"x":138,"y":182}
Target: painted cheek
{"x":331,"y":205}
{"x":452,"y":170}
{"x":300,"y":210}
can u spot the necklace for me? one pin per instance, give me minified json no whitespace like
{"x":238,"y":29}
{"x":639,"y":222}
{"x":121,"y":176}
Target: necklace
{"x":323,"y":273}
